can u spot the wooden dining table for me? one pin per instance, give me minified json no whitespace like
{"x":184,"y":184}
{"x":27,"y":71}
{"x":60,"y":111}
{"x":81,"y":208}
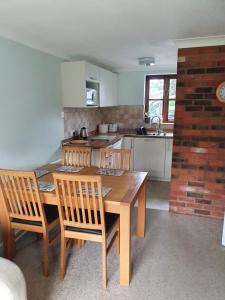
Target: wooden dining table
{"x":125,"y":191}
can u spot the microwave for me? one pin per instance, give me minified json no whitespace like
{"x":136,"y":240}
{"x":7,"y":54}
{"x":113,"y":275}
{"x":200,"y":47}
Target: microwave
{"x":92,"y":93}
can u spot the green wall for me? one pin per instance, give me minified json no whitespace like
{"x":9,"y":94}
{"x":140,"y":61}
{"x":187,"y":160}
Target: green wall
{"x":30,"y":104}
{"x":131,"y":85}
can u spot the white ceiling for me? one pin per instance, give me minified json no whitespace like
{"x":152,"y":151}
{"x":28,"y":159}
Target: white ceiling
{"x":111,"y":32}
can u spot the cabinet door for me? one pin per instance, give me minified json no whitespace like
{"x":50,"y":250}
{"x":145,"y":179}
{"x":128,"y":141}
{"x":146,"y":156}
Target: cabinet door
{"x":108,"y":88}
{"x":92,"y":72}
{"x":118,"y":145}
{"x":168,"y":159}
{"x":128,"y":144}
{"x":149,"y":155}
{"x":73,"y":84}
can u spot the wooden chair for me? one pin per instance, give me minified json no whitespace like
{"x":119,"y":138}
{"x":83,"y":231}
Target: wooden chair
{"x":76,"y":156}
{"x":114,"y":158}
{"x":82,"y":215}
{"x":20,"y":194}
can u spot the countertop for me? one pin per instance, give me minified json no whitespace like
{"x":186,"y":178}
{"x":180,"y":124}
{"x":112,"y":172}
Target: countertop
{"x":167,"y":135}
{"x":96,"y":144}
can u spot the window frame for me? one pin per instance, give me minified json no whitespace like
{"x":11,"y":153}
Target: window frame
{"x":165,"y":99}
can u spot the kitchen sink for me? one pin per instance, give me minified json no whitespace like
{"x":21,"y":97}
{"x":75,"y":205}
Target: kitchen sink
{"x":156,"y":133}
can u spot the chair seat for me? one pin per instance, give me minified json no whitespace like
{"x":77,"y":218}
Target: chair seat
{"x":110,"y":220}
{"x":51,"y":213}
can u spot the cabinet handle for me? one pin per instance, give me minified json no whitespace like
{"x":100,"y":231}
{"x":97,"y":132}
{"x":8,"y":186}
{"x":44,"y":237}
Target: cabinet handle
{"x":92,"y":78}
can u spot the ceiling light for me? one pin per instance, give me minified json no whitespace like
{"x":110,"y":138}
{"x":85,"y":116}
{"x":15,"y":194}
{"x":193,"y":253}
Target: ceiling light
{"x":146,"y":61}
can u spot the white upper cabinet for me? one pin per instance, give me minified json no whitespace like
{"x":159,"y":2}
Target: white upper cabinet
{"x":74,"y":77}
{"x":73,"y":84}
{"x":92,"y":72}
{"x":108,"y":88}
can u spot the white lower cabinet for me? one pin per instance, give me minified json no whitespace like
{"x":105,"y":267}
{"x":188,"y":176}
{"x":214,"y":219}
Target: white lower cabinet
{"x":168,"y":158}
{"x":149,"y":155}
{"x":127,"y":144}
{"x":118,"y":145}
{"x":95,"y":152}
{"x":94,"y":157}
{"x":153,"y":155}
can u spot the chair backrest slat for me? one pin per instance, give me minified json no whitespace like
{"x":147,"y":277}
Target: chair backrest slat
{"x":8,"y":192}
{"x":94,"y":202}
{"x":34,"y":206}
{"x":82,"y":198}
{"x":71,"y":205}
{"x":88,"y":202}
{"x":26,"y":195}
{"x":77,"y":212}
{"x":21,"y":195}
{"x":76,"y":156}
{"x":115,"y":158}
{"x":82,"y":202}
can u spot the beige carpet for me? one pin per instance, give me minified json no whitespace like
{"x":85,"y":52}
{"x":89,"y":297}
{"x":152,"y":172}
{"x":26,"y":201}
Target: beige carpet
{"x":179,"y":259}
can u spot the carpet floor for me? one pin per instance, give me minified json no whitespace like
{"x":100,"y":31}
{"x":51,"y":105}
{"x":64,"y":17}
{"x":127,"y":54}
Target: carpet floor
{"x":180,"y":258}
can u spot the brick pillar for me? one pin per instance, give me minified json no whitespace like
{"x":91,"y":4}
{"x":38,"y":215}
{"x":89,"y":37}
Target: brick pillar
{"x":198,"y":168}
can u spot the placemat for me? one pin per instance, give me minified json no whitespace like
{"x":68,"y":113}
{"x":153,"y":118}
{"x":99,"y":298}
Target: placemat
{"x":39,"y":173}
{"x":45,"y":186}
{"x":110,"y":172}
{"x":69,"y":169}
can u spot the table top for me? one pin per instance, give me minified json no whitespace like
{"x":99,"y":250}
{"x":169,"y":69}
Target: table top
{"x":124,"y":188}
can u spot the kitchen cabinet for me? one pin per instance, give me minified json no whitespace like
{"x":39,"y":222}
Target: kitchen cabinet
{"x":92,"y":72}
{"x":168,"y":158}
{"x":127,"y":144}
{"x":94,"y":157}
{"x":108,"y":88}
{"x":117,"y":145}
{"x":149,"y":155}
{"x":74,"y":76}
{"x":153,"y":155}
{"x":95,"y":152}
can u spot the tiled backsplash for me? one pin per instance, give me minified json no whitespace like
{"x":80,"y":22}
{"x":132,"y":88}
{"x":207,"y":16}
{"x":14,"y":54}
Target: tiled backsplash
{"x":75,"y":118}
{"x":126,"y":116}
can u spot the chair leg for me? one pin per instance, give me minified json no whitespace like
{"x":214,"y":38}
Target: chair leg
{"x":11,"y":250}
{"x":45,"y":254}
{"x":62,"y":257}
{"x":79,"y":243}
{"x":118,"y":240}
{"x":104,"y":265}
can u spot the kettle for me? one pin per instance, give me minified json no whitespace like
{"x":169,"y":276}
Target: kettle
{"x":83,"y":133}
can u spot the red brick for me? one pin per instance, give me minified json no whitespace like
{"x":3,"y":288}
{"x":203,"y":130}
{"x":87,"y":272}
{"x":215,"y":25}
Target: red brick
{"x":204,"y":158}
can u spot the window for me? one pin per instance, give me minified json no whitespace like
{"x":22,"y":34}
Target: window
{"x":160,"y":96}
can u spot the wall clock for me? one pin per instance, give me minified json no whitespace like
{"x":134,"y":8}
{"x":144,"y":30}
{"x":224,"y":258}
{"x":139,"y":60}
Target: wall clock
{"x":220,"y":92}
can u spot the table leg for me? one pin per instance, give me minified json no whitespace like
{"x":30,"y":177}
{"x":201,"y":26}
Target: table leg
{"x":141,"y":211}
{"x":125,"y":245}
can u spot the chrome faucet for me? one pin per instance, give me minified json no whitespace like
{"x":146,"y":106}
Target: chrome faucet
{"x":159,"y":123}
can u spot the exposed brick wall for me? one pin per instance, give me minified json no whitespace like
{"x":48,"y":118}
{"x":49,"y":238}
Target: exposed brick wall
{"x":198,"y":169}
